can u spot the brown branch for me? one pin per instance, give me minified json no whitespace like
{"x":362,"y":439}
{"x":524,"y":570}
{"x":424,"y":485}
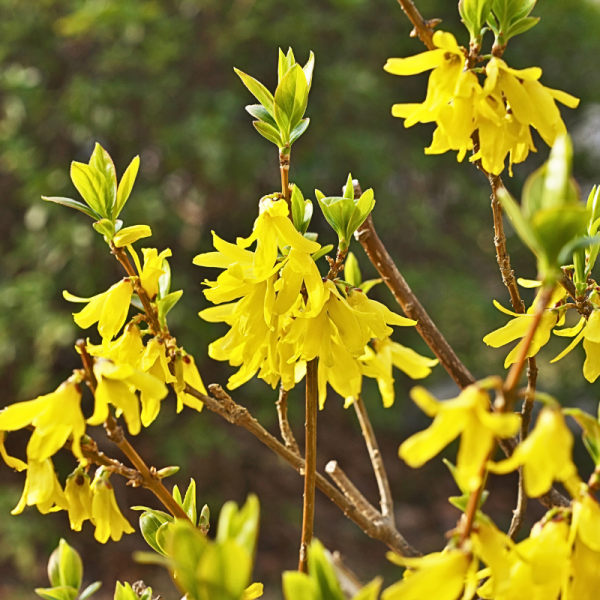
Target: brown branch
{"x":423,"y":29}
{"x":385,"y":493}
{"x":284,"y":169}
{"x":310,"y":470}
{"x":284,"y":426}
{"x":223,"y":405}
{"x":351,"y":491}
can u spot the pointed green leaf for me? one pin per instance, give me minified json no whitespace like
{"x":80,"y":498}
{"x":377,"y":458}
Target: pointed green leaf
{"x":149,"y":526}
{"x":240,"y":524}
{"x":309,"y":69}
{"x":126,"y":185}
{"x":370,"y":591}
{"x":73,"y":204}
{"x":102,"y":161}
{"x":291,"y":97}
{"x":90,"y":590}
{"x":521,"y":226}
{"x":91,"y":184}
{"x":522,"y":26}
{"x":105,"y":228}
{"x":260,"y":92}
{"x":348,"y":191}
{"x":322,"y":571}
{"x":258,"y":111}
{"x":57,"y":593}
{"x":298,"y":208}
{"x":352,"y":272}
{"x":299,"y":586}
{"x":322,"y":252}
{"x":268,"y":132}
{"x":177,"y":495}
{"x":189,"y":503}
{"x":299,"y":130}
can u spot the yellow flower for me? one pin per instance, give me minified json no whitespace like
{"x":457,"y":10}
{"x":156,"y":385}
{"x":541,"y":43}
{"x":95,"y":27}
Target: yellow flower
{"x":129,"y":235}
{"x":42,"y":489}
{"x":55,"y":416}
{"x":116,"y":385}
{"x":467,"y":415}
{"x":79,"y":497}
{"x":253,"y":591}
{"x":589,"y":332}
{"x":585,"y":571}
{"x":378,"y":364}
{"x":273,"y":229}
{"x":545,"y":455}
{"x":191,"y":376}
{"x":125,"y":350}
{"x":519,"y":326}
{"x":108,"y":309}
{"x":152,"y":270}
{"x":154,"y":361}
{"x":439,"y":576}
{"x":13,"y":463}
{"x":343,"y":374}
{"x":106,"y":516}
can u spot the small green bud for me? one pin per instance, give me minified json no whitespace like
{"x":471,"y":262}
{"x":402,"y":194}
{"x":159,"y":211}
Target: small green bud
{"x":167,"y":472}
{"x":65,"y":567}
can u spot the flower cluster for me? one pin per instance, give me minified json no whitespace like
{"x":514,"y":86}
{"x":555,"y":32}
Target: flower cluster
{"x":502,"y":110}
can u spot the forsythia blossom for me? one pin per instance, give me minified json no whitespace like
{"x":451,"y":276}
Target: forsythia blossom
{"x":42,"y":489}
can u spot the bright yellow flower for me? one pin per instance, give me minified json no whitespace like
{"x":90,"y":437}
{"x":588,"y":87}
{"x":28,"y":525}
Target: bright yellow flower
{"x":152,"y":270}
{"x":125,"y":350}
{"x":14,"y":463}
{"x":589,"y":332}
{"x":253,"y":591}
{"x":130,"y":235}
{"x":585,"y":571}
{"x":154,"y":361}
{"x":79,"y":497}
{"x":519,"y":326}
{"x":191,"y":376}
{"x":378,"y":364}
{"x":437,"y":576}
{"x":546,"y":454}
{"x":106,"y":516}
{"x":108,"y":309}
{"x":343,"y":374}
{"x":55,"y":416}
{"x":42,"y":489}
{"x":117,"y":385}
{"x":467,"y":415}
{"x":274,"y":230}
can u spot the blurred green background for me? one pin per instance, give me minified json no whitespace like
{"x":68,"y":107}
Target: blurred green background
{"x":155,"y":78}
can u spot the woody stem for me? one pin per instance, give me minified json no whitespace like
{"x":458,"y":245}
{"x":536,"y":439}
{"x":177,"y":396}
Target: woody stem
{"x":284,"y":169}
{"x":310,"y":469}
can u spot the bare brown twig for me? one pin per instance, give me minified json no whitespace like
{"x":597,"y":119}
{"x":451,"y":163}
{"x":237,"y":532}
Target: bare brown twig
{"x":423,"y":29}
{"x":284,"y":426}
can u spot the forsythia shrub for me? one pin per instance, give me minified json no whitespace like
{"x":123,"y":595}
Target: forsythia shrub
{"x":296,"y":313}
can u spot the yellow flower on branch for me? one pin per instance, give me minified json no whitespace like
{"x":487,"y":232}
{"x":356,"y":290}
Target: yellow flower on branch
{"x":14,"y":463}
{"x":106,"y":516}
{"x":469,"y":416}
{"x":546,"y":454}
{"x":108,"y":309}
{"x":152,"y":270}
{"x":519,"y":326}
{"x":79,"y":497}
{"x":378,"y":365}
{"x":154,"y":361}
{"x":42,"y":489}
{"x":125,"y":350}
{"x":56,"y":417}
{"x":585,"y":531}
{"x":129,"y":235}
{"x":117,"y":385}
{"x":191,"y":377}
{"x":589,"y":332}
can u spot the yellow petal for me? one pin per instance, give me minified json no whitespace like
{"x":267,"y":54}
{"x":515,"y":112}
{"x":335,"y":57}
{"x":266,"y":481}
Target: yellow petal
{"x":132,"y":234}
{"x":571,"y":331}
{"x":569,"y":347}
{"x":415,"y":64}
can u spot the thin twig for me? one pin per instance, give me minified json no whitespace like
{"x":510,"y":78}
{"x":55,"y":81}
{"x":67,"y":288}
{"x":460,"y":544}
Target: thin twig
{"x":385,"y":493}
{"x":224,"y":405}
{"x":310,"y":471}
{"x":351,"y":491}
{"x":284,"y":169}
{"x":423,"y":29}
{"x":284,"y":426}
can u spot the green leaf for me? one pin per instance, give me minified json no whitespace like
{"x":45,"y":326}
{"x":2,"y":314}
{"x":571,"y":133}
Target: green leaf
{"x":299,"y":586}
{"x":125,"y":592}
{"x":204,"y":522}
{"x":126,"y":185}
{"x":149,"y":526}
{"x":177,"y":495}
{"x":522,"y":26}
{"x":521,"y":226}
{"x":302,"y":210}
{"x":474,"y":14}
{"x":352,"y":272}
{"x":348,"y":191}
{"x":90,"y":590}
{"x":57,"y":593}
{"x":322,"y":571}
{"x":591,"y":431}
{"x":338,"y":212}
{"x":189,"y":502}
{"x":593,"y":205}
{"x":269,"y":132}
{"x":102,"y":161}
{"x":65,"y":568}
{"x":164,"y":281}
{"x":73,"y":204}
{"x":322,"y":252}
{"x":368,"y":285}
{"x":363,"y":208}
{"x":286,"y":62}
{"x":291,"y":97}
{"x":91,"y":184}
{"x":240,"y":524}
{"x":260,"y":92}
{"x":167,"y":303}
{"x":299,"y":130}
{"x":105,"y":227}
{"x":309,"y":69}
{"x":258,"y":111}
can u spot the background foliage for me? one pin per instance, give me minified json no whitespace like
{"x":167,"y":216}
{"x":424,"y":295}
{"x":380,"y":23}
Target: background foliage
{"x":155,"y":77}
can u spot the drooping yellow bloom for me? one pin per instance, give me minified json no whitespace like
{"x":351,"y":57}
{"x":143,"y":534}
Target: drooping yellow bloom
{"x":502,"y":110}
{"x":79,"y":497}
{"x":130,"y":235}
{"x":546,"y":454}
{"x":191,"y":377}
{"x":589,"y":332}
{"x":467,"y":415}
{"x":343,"y":374}
{"x":378,"y":364}
{"x":519,"y":326}
{"x":274,"y":230}
{"x":125,"y":350}
{"x":108,"y":309}
{"x":42,"y":489}
{"x":14,"y":463}
{"x":152,"y":270}
{"x":117,"y":385}
{"x":439,"y":576}
{"x":154,"y":360}
{"x":106,"y":516}
{"x":55,"y":416}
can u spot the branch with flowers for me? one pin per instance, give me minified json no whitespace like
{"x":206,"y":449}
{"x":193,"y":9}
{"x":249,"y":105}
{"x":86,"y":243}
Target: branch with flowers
{"x":299,"y":313}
